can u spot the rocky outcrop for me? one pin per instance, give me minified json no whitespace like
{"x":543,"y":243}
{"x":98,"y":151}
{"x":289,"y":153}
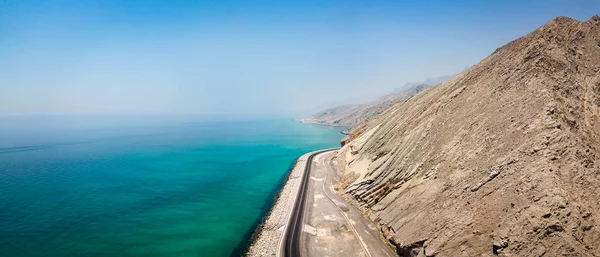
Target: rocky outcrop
{"x":501,"y":160}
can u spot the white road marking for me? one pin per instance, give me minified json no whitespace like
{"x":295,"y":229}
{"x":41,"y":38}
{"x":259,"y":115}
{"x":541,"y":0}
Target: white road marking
{"x":362,"y":243}
{"x":322,"y":232}
{"x":329,"y":217}
{"x":310,"y":230}
{"x":316,"y":179}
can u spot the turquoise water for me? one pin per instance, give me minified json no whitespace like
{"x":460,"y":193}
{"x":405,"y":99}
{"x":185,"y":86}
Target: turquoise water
{"x":106,"y":186}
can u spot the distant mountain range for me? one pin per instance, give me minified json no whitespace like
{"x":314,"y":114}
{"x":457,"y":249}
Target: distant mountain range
{"x":352,"y":114}
{"x":429,"y":81}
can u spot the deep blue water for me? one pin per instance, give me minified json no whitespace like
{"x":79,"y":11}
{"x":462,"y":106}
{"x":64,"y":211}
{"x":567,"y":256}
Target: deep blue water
{"x":125,"y":186}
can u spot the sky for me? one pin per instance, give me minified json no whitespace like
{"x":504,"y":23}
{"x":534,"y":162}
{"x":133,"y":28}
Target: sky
{"x":244,"y":58}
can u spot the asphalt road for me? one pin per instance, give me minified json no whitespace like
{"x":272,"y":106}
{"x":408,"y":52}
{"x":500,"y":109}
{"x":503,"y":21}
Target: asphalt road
{"x":323,"y":223}
{"x":294,"y":228}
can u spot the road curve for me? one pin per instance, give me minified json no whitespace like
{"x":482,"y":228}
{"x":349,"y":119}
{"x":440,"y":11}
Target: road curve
{"x":293,"y":230}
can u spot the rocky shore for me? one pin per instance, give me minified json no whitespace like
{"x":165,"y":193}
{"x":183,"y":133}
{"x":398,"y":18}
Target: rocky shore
{"x":269,"y":234}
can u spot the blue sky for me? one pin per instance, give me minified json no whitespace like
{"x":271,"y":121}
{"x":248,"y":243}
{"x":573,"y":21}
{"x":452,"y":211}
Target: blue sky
{"x":244,"y":58}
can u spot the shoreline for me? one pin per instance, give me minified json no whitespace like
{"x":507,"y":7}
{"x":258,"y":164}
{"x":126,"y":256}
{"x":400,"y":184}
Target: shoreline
{"x":304,"y":121}
{"x":343,"y":131}
{"x":254,"y":232}
{"x":266,"y":239}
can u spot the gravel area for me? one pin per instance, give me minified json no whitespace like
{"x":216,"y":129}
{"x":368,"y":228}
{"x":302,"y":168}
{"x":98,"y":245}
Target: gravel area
{"x":270,"y":233}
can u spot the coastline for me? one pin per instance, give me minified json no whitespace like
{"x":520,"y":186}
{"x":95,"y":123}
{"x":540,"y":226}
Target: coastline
{"x":345,"y":131}
{"x":320,"y":122}
{"x":268,"y":235}
{"x":255,"y":230}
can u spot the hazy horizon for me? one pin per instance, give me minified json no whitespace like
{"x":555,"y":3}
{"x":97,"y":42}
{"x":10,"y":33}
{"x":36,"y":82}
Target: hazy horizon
{"x":243,"y":58}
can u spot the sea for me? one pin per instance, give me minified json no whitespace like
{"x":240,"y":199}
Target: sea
{"x":143,"y":186}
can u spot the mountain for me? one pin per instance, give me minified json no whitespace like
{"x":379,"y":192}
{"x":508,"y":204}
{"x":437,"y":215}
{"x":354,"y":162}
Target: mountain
{"x":429,"y":81}
{"x":350,"y":115}
{"x":501,"y":160}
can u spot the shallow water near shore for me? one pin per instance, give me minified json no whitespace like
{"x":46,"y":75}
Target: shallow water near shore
{"x":73,"y":186}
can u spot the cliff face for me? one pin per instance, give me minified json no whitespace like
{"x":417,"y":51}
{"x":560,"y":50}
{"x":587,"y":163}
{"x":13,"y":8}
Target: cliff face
{"x":350,"y":115}
{"x":502,"y":159}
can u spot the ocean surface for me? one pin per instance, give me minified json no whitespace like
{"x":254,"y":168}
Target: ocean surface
{"x":142,"y":186}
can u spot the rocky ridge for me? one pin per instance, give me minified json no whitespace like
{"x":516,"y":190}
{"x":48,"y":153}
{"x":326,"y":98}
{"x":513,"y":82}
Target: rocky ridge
{"x":501,"y":160}
{"x":350,"y":115}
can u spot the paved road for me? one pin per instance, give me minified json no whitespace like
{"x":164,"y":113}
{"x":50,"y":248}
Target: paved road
{"x":329,"y":225}
{"x":293,"y":231}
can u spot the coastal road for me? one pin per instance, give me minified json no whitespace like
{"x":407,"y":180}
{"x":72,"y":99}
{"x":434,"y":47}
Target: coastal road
{"x":323,"y":223}
{"x":293,"y":230}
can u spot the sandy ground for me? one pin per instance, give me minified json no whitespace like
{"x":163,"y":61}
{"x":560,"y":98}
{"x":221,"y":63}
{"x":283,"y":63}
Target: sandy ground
{"x":332,"y":226}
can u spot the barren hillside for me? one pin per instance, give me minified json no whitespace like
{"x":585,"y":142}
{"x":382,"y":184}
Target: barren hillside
{"x":501,"y":160}
{"x":350,"y":115}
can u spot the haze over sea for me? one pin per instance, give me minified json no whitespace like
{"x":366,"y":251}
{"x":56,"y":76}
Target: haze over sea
{"x":142,"y":186}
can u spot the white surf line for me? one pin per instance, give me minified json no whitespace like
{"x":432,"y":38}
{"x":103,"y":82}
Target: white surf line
{"x":362,"y":243}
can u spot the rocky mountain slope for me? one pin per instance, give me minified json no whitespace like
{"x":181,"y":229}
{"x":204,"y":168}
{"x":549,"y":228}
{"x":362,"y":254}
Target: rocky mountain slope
{"x":501,"y":160}
{"x":350,"y":115}
{"x":430,"y":81}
